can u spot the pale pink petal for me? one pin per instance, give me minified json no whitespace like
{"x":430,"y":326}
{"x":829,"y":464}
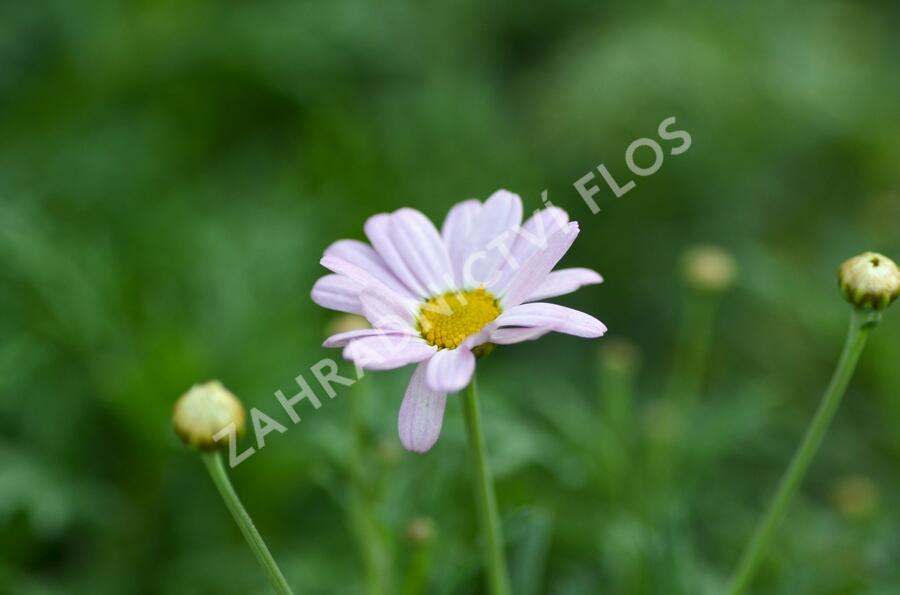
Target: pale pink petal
{"x":378,"y":230}
{"x":386,"y":310}
{"x":364,"y":257}
{"x":491,"y":239}
{"x":530,"y":238}
{"x":422,"y":249}
{"x":553,"y":316}
{"x":421,"y":414}
{"x":450,"y":370}
{"x":388,"y":351}
{"x":362,"y":276}
{"x":509,"y":336}
{"x":480,"y":338}
{"x":456,"y":231}
{"x":343,"y":339}
{"x":535,"y":270}
{"x":337,"y":292}
{"x":564,"y":281}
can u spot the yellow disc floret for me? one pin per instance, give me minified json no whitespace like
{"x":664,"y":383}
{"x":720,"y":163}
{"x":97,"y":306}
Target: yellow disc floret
{"x":447,"y":320}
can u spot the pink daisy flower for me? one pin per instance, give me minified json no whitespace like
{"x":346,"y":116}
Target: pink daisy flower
{"x":433,"y":298}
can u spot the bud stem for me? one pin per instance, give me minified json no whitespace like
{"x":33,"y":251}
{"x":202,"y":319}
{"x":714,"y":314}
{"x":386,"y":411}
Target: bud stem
{"x":375,"y":557}
{"x":219,"y":476}
{"x":495,"y":558}
{"x":695,"y":340}
{"x":416,"y":582}
{"x":860,"y":323}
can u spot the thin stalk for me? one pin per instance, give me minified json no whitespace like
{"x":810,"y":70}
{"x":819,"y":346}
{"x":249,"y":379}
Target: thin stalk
{"x":619,"y":364}
{"x":376,"y":562}
{"x":695,"y":339}
{"x":615,"y":436}
{"x":417,"y":575}
{"x":860,"y":323}
{"x":666,"y":453}
{"x":219,"y":476}
{"x":495,"y":558}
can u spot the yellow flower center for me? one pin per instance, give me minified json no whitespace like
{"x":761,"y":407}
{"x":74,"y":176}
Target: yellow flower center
{"x":447,"y":320}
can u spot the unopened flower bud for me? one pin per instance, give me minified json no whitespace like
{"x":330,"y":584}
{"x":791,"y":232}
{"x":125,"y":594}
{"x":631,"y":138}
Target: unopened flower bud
{"x":620,"y":355}
{"x":387,"y":452}
{"x":203,"y":412}
{"x":856,"y":497}
{"x":420,"y":531}
{"x":870,"y":281}
{"x":709,"y":268}
{"x":344,"y":323}
{"x":663,"y":422}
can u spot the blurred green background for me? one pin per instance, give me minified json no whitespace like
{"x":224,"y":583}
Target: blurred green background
{"x":171,"y":171}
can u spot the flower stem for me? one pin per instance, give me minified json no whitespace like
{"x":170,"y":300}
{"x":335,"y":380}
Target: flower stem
{"x":219,"y":476}
{"x":860,"y":323}
{"x":495,"y":559}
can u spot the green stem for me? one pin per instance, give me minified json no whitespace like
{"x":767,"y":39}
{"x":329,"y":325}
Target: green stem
{"x":375,"y":558}
{"x":860,"y":323}
{"x":695,"y":339}
{"x":417,"y":574}
{"x":495,"y":559}
{"x":219,"y":476}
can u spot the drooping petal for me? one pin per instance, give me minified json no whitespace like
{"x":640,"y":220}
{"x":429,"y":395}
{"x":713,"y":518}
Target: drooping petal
{"x":450,"y":370}
{"x":387,"y":351}
{"x":510,"y":336}
{"x":455,"y":232}
{"x":491,"y":239}
{"x":422,"y":250}
{"x":421,"y":414}
{"x":535,"y":270}
{"x":337,"y":292}
{"x":552,"y":316}
{"x":379,"y":231}
{"x":386,"y":310}
{"x":564,"y":281}
{"x":343,"y":339}
{"x":363,"y":257}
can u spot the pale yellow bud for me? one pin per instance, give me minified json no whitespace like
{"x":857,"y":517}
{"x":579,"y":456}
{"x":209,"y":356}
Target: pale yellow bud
{"x":662,"y":421}
{"x":203,"y":412}
{"x":856,"y":497}
{"x":620,"y":355}
{"x":420,"y":531}
{"x":870,"y":281}
{"x":387,"y":452}
{"x":709,"y":268}
{"x":344,"y":323}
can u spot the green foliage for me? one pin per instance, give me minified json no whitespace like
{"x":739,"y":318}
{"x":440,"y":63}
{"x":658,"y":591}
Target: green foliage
{"x":170,"y":173}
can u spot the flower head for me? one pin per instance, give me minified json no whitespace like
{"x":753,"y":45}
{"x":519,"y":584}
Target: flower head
{"x":870,"y":280}
{"x":432,"y":297}
{"x":203,"y":412}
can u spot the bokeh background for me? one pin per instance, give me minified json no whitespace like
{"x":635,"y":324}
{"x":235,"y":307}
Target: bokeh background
{"x":171,"y":171}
